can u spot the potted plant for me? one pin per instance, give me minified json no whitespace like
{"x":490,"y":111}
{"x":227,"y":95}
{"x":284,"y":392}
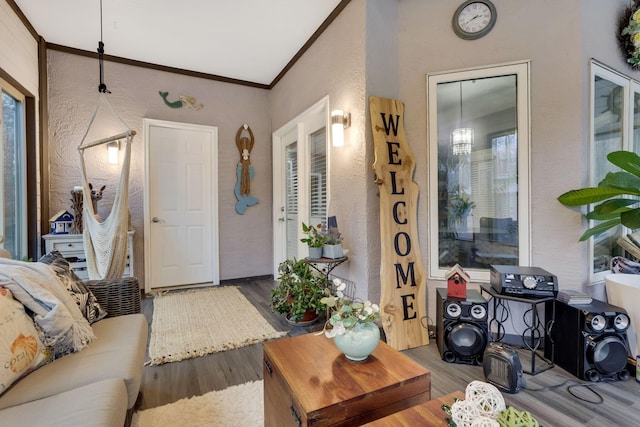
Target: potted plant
{"x":614,"y":209}
{"x":299,"y":292}
{"x":352,"y":323}
{"x":332,"y":247}
{"x":314,"y":239}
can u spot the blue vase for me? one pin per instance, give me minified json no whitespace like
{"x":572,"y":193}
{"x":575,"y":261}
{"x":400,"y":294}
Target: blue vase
{"x":359,"y":342}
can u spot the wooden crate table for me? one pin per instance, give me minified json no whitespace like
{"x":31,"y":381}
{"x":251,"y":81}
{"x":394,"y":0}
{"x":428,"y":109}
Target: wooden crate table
{"x":425,"y":414}
{"x":309,"y":382}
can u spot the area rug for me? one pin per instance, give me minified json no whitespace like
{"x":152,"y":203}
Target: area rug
{"x":203,"y":321}
{"x":240,"y":405}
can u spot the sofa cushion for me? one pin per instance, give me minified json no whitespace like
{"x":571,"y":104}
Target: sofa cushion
{"x":118,"y":352}
{"x":100,"y":404}
{"x":87,"y":302}
{"x":21,"y":349}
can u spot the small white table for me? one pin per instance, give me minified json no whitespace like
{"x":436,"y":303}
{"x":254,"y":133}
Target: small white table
{"x":71,"y":247}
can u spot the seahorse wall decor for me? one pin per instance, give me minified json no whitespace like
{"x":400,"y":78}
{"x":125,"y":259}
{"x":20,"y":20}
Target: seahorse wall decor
{"x":183,"y":101}
{"x":244,"y":170}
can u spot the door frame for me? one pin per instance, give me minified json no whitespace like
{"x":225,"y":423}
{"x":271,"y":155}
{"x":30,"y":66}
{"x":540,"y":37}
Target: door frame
{"x":300,"y":125}
{"x":215,"y":241}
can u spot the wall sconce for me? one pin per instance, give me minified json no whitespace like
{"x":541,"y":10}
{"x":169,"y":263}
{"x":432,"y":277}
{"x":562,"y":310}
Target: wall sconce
{"x":112,"y":150}
{"x":339,"y":122}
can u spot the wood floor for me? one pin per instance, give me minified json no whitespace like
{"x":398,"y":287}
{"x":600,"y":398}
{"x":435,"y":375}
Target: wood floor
{"x":552,"y":405}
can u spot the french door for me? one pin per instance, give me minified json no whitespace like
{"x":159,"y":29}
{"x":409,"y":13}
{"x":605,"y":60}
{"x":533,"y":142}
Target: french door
{"x":300,"y":187}
{"x":13,"y":180}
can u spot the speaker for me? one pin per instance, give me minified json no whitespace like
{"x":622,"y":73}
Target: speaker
{"x":588,"y":340}
{"x":462,"y":327}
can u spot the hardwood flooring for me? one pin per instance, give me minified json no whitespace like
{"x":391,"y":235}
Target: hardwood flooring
{"x":552,"y":405}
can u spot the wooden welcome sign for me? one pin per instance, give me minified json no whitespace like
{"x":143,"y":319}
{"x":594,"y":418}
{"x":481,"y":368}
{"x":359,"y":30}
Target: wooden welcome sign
{"x":402,"y":278}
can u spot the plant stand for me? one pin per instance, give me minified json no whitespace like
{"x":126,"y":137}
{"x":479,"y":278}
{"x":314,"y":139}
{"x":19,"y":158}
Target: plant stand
{"x":325,"y":266}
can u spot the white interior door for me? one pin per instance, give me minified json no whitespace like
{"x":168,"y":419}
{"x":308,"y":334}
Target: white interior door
{"x":181,"y":223}
{"x":299,"y":180}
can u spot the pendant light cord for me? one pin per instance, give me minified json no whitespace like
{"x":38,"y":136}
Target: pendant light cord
{"x":102,"y":88}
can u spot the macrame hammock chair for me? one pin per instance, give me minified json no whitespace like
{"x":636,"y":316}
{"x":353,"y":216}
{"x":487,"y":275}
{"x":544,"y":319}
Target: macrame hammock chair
{"x":105,"y":242}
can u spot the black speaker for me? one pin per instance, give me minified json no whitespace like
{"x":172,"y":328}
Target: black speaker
{"x":462,"y":327}
{"x":588,"y":340}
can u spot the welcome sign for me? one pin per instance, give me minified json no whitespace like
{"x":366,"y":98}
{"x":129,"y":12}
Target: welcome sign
{"x":402,"y":277}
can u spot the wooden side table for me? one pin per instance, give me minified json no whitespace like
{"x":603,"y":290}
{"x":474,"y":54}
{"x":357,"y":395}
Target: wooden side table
{"x":308,"y":381}
{"x":425,"y":414}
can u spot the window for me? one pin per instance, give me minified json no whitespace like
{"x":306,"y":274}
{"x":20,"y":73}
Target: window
{"x":13,"y":206}
{"x":615,"y":125}
{"x":478,"y":169}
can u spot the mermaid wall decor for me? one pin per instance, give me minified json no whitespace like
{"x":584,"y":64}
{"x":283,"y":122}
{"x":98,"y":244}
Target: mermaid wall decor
{"x":183,"y":101}
{"x":244,"y":170}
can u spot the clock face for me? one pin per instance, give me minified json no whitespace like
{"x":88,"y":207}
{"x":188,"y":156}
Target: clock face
{"x":474,"y":19}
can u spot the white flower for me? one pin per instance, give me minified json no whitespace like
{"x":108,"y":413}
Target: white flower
{"x":338,"y":329}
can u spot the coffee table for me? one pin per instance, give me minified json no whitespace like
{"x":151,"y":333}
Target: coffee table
{"x":308,"y":381}
{"x":425,"y":414}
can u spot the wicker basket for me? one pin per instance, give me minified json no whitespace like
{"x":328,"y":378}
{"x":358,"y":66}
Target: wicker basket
{"x":117,"y":296}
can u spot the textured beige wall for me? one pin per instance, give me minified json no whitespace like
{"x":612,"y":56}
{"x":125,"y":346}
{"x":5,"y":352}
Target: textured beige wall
{"x":335,"y":66}
{"x":245,"y":240}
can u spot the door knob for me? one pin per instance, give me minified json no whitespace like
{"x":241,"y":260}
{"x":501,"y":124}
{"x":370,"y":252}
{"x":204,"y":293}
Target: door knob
{"x":155,"y":219}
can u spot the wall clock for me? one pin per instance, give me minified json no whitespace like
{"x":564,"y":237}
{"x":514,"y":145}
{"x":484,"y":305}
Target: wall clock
{"x":474,"y":19}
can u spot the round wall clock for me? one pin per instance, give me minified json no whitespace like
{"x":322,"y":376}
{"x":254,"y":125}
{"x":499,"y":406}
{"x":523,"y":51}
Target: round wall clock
{"x":474,"y":19}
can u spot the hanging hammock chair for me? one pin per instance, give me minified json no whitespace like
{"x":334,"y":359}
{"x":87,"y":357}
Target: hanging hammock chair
{"x":105,"y":242}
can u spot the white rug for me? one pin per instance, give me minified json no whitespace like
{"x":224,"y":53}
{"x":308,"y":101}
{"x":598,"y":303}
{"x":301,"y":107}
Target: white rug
{"x":203,"y":321}
{"x":237,"y":406}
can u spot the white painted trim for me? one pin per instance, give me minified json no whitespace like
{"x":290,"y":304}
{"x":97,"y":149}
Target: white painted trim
{"x":522,"y":70}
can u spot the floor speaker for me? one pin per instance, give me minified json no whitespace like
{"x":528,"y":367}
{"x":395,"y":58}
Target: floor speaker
{"x":462,"y":328}
{"x":589,"y":340}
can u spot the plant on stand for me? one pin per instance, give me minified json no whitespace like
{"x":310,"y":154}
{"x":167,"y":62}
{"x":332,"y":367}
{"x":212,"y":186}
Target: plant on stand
{"x":352,"y":323}
{"x":332,"y":247}
{"x":314,"y":239}
{"x":299,"y":292}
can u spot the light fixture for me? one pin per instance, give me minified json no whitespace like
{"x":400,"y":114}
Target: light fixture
{"x":339,"y":122}
{"x":112,"y":149}
{"x":461,"y":137}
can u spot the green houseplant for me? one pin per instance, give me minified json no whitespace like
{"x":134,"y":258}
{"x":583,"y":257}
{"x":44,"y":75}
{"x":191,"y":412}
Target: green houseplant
{"x":299,"y":292}
{"x":617,"y":192}
{"x":314,"y":239}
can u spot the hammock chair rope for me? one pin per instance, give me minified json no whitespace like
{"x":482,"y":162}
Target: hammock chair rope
{"x":105,"y":243}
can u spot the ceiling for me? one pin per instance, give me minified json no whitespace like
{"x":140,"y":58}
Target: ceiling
{"x":248,"y":40}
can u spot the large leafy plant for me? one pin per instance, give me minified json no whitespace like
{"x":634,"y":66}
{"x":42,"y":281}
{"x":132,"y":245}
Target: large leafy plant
{"x":618,"y":192}
{"x":299,"y":290}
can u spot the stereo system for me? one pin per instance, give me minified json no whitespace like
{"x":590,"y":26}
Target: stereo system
{"x":589,"y":340}
{"x":523,"y":281}
{"x":502,"y":367}
{"x":462,"y":327}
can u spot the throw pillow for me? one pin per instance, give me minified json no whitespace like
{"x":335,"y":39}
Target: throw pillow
{"x":21,"y":349}
{"x":87,"y":302}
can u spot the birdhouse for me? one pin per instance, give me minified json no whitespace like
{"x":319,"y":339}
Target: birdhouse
{"x":457,"y":280}
{"x":61,"y":222}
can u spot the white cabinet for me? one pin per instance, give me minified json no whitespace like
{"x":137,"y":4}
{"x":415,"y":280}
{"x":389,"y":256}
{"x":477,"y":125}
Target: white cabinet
{"x":71,"y":247}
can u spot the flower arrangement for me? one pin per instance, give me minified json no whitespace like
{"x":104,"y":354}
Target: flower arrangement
{"x":315,"y":239}
{"x":629,"y":34}
{"x":347,"y":313}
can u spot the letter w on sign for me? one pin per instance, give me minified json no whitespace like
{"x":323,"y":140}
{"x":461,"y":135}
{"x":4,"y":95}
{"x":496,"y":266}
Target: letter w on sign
{"x":402,"y":277}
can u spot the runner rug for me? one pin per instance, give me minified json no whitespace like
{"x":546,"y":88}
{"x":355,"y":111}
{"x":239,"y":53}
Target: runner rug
{"x":240,"y":405}
{"x":203,"y":321}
